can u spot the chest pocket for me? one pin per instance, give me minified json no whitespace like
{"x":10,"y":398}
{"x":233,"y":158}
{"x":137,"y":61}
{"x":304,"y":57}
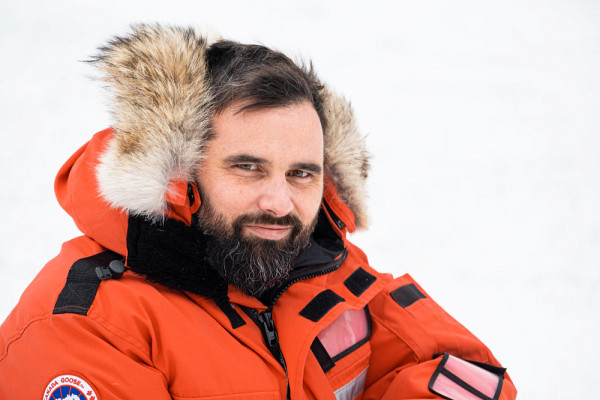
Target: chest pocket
{"x":347,"y":333}
{"x":340,"y":352}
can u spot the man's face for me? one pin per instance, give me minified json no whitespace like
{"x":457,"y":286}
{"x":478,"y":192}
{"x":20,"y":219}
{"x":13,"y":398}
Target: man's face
{"x":261,"y":182}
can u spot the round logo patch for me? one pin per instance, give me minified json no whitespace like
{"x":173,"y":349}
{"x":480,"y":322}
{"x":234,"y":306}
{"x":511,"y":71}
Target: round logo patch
{"x":69,"y":387}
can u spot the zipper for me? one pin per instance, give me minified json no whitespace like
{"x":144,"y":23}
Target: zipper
{"x":264,"y":320}
{"x":267,"y":326}
{"x":312,"y":272}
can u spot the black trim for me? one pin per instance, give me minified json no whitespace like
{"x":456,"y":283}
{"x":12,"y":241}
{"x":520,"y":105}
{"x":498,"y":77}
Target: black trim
{"x":227,"y":308}
{"x":325,"y":361}
{"x":192,"y":198}
{"x":407,"y":295}
{"x":190,"y":193}
{"x":340,"y":224}
{"x":82,"y":284}
{"x":359,"y":281}
{"x":489,"y":367}
{"x":441,"y":370}
{"x":320,"y":305}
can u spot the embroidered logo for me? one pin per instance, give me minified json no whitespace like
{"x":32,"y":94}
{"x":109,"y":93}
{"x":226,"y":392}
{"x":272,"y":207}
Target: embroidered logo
{"x":69,"y":387}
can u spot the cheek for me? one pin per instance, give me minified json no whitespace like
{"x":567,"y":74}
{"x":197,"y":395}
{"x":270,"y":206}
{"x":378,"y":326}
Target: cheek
{"x":307,"y":203}
{"x":229,"y":198}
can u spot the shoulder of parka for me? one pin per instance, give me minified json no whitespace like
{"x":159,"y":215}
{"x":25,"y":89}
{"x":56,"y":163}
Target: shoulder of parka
{"x":116,"y":304}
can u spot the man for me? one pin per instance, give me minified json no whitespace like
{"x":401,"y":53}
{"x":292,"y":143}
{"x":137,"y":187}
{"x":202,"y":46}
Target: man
{"x":214,"y":262}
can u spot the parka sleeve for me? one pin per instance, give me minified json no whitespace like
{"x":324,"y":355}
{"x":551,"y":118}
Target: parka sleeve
{"x":79,"y":354}
{"x":421,"y":352}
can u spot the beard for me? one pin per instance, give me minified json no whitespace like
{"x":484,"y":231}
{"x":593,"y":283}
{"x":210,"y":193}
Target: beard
{"x":251,"y":264}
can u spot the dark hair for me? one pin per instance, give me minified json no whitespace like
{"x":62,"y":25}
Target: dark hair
{"x":261,"y":78}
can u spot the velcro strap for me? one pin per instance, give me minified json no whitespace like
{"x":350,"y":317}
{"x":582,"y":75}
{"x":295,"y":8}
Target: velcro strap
{"x":82,"y":284}
{"x":359,"y":281}
{"x":320,"y":305}
{"x":407,"y":295}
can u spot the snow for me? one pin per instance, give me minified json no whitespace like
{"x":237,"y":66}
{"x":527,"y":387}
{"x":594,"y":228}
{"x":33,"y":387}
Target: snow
{"x":71,"y":397}
{"x":482,"y":118}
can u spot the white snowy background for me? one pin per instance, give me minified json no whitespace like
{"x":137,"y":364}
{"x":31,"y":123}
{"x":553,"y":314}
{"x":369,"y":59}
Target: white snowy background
{"x":482,"y":118}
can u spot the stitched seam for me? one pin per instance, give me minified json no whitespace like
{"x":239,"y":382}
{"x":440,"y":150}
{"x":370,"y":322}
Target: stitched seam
{"x":417,"y":352}
{"x":95,"y":320}
{"x":121,"y":334}
{"x":131,"y":342}
{"x":225,"y":396}
{"x":19,"y":335}
{"x":67,"y":307}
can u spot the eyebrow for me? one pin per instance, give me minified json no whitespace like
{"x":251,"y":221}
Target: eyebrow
{"x":308,"y":166}
{"x":246,"y":158}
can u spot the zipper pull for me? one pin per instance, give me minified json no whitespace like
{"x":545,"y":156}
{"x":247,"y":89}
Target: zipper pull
{"x":265,"y":323}
{"x":270,"y":336}
{"x":266,"y":320}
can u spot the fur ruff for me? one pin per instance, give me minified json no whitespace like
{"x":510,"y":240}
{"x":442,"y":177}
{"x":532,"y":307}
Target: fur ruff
{"x":162,"y":110}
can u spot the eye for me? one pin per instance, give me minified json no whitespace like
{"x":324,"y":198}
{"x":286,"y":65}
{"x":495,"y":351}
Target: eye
{"x":247,"y":167}
{"x":298,"y":173}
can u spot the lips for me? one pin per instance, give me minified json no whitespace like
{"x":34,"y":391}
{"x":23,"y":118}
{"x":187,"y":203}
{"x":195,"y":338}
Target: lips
{"x":270,"y":232}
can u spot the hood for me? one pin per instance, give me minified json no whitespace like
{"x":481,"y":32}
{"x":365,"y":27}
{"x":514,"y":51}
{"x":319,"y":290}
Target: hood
{"x":161,"y":105}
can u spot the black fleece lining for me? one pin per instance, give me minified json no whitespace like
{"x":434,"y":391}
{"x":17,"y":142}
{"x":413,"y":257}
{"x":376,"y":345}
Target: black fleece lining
{"x":82,"y":284}
{"x":407,"y":295}
{"x":359,"y":281}
{"x":320,"y":305}
{"x":172,"y":254}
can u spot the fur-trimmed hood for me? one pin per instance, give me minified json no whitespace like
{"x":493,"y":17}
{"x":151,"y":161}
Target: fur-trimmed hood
{"x":161,"y":107}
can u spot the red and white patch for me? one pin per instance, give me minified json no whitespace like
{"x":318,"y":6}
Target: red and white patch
{"x":349,"y":329}
{"x":69,"y":387}
{"x":459,"y":379}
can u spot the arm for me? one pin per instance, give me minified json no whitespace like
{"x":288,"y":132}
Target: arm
{"x":410,"y":335}
{"x":108,"y":361}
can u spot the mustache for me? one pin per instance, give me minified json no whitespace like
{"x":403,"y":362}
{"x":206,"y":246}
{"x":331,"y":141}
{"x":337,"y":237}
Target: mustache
{"x":267,"y":219}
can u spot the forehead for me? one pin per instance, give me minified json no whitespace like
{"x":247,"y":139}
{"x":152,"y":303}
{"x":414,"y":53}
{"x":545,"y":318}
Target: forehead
{"x":291,"y":133}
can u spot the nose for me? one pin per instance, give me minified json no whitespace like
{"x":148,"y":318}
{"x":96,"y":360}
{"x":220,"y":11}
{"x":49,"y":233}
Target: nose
{"x":276,"y":198}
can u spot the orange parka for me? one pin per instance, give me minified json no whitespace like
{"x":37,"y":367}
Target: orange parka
{"x":121,"y":313}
